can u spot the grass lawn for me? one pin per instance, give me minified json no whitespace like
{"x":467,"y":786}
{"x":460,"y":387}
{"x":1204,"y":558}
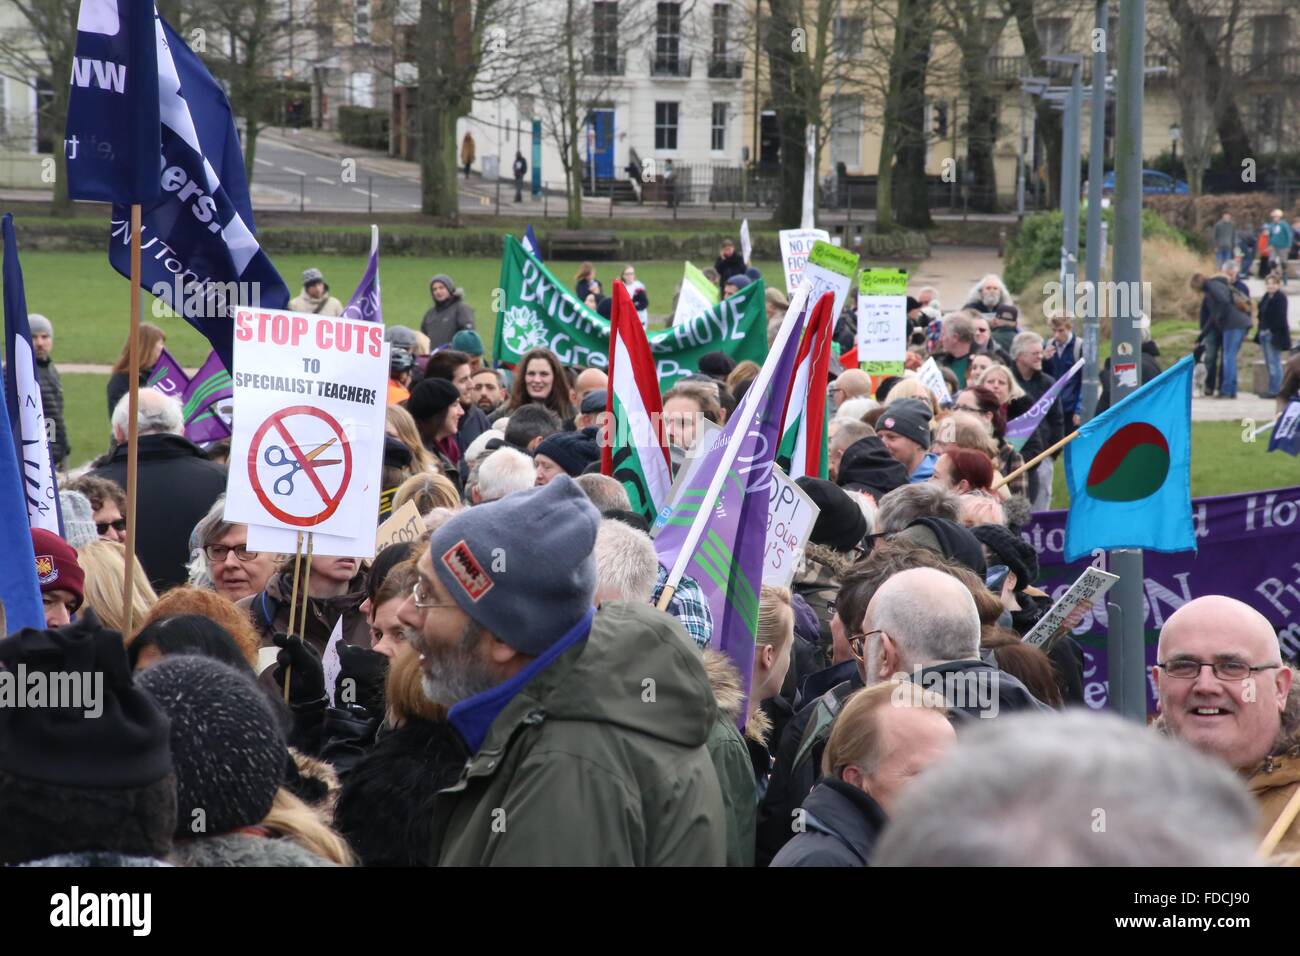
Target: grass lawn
{"x":89,"y":303}
{"x":85,"y":413}
{"x":1222,"y":464}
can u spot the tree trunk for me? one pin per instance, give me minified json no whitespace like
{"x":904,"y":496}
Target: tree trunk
{"x":1047,"y":121}
{"x":62,"y":83}
{"x":979,"y":177}
{"x":889,"y":131}
{"x":1219,"y":85}
{"x":912,"y":200}
{"x":791,"y":113}
{"x":439,"y":190}
{"x":573,"y":201}
{"x":251,"y":131}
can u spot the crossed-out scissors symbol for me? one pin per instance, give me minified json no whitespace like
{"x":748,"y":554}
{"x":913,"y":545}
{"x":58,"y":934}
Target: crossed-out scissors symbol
{"x":282,"y":459}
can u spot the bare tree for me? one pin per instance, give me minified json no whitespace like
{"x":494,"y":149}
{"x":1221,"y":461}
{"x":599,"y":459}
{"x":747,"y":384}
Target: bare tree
{"x":1198,"y":38}
{"x":1047,"y":121}
{"x":244,"y":43}
{"x":43,"y":49}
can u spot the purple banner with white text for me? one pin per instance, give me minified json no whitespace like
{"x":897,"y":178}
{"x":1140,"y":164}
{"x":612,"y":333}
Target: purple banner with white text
{"x":1248,"y":547}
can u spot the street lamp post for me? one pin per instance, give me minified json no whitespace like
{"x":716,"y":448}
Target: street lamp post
{"x":1175,"y":134}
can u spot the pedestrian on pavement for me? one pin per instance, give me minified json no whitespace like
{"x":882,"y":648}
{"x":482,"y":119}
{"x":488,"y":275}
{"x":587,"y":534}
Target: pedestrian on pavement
{"x":175,"y":485}
{"x":150,"y":340}
{"x":580,"y":771}
{"x":1225,"y":320}
{"x":449,"y":313}
{"x":315,"y":297}
{"x":1273,"y":336}
{"x":1225,"y":240}
{"x":1280,"y":238}
{"x":467,"y":152}
{"x":520,"y":170}
{"x":47,"y":374}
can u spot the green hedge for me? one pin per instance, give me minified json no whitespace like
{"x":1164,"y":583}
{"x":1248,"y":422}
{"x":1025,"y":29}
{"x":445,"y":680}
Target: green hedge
{"x":363,"y":127}
{"x":1036,"y":247}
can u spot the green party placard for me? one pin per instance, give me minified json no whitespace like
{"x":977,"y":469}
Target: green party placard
{"x":883,"y":282}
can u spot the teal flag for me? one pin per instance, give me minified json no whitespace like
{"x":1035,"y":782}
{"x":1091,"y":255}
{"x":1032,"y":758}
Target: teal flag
{"x":1130,"y":471}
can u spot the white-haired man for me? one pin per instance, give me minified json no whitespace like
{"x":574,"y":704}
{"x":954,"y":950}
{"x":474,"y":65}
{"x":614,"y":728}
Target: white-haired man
{"x":1223,"y":687}
{"x":175,"y":484}
{"x":626,"y":564}
{"x":1027,"y":367}
{"x":503,"y":472}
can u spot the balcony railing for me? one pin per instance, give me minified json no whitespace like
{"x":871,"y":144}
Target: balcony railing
{"x":604,"y":64}
{"x":1009,"y":68}
{"x":668,"y":65}
{"x":1281,"y":65}
{"x":726,"y":67}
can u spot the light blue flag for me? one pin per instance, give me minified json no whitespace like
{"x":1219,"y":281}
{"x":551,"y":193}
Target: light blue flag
{"x":1130,"y":471}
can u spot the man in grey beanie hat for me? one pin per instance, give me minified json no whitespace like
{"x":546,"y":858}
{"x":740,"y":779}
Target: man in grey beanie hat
{"x":47,"y":374}
{"x":315,"y":297}
{"x":905,"y":430}
{"x":572,"y":765}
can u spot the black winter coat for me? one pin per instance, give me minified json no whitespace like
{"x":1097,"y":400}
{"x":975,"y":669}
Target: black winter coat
{"x":1272,"y":318}
{"x":841,"y":826}
{"x":176,"y":487}
{"x":385,"y":809}
{"x":119,"y":385}
{"x":732,"y":265}
{"x":52,"y":406}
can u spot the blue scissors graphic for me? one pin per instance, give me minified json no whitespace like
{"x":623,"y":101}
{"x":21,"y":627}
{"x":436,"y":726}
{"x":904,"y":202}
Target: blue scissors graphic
{"x":281,"y":459}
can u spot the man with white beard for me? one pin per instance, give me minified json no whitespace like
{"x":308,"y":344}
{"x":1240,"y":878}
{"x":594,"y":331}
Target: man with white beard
{"x":587,"y":727}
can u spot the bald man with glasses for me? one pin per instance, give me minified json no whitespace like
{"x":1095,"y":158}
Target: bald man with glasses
{"x":1223,"y":688}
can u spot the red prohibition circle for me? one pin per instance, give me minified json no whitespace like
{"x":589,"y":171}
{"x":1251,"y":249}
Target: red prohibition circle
{"x":331,"y":502}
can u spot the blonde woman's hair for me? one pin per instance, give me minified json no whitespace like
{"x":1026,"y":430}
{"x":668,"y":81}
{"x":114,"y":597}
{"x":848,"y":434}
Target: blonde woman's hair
{"x":422,"y":345}
{"x":293,"y":820}
{"x":912,"y":387}
{"x":428,"y":491}
{"x":775,"y":617}
{"x":743,"y":372}
{"x":1014,"y":390}
{"x":855,"y":736}
{"x":409,"y":435}
{"x":104,"y":564}
{"x":979,"y":507}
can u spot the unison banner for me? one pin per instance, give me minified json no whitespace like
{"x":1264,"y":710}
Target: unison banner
{"x":538,"y":311}
{"x":1246,"y":549}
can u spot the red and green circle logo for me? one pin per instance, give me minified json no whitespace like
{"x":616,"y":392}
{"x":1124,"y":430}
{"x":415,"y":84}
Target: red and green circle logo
{"x":1131,"y":464}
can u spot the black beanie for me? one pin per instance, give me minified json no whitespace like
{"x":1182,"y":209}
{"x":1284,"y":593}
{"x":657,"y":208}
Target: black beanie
{"x":572,"y":451}
{"x":840,"y":525}
{"x":717,"y":364}
{"x":868,"y":466}
{"x":227,"y":746}
{"x":432,"y":397}
{"x":117,"y":740}
{"x":1012,"y":550}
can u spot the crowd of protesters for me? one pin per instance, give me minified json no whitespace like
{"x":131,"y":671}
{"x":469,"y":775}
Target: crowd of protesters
{"x":505,"y":691}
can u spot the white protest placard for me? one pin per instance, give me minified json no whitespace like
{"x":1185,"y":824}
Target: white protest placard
{"x":791,"y":515}
{"x":746,"y":247}
{"x":1092,"y":584}
{"x":330,"y":662}
{"x":829,"y":269}
{"x":932,"y":379}
{"x":796,"y":244}
{"x":308,"y":440}
{"x":404,"y":524}
{"x":696,"y":296}
{"x":882,"y":333}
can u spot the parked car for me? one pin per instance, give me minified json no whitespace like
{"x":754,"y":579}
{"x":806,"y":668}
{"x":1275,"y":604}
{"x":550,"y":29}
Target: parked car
{"x":1154,"y":183}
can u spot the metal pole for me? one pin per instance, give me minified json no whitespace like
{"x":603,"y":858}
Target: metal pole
{"x":1020,"y":155}
{"x":1070,"y":186}
{"x":370,"y":194}
{"x":1126,"y":336}
{"x":1096,"y":169}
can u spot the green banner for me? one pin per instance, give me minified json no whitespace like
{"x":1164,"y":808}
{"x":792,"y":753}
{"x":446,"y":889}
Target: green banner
{"x":538,"y":311}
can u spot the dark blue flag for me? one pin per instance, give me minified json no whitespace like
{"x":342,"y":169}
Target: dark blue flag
{"x":531,"y":244}
{"x":112,"y":134}
{"x":199,"y":251}
{"x":29,"y":428}
{"x":20,"y":594}
{"x":1286,"y":431}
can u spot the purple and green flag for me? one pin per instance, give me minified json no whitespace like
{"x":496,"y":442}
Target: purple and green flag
{"x":727,"y":543}
{"x":364,"y":304}
{"x":1020,"y":429}
{"x":205,"y":398}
